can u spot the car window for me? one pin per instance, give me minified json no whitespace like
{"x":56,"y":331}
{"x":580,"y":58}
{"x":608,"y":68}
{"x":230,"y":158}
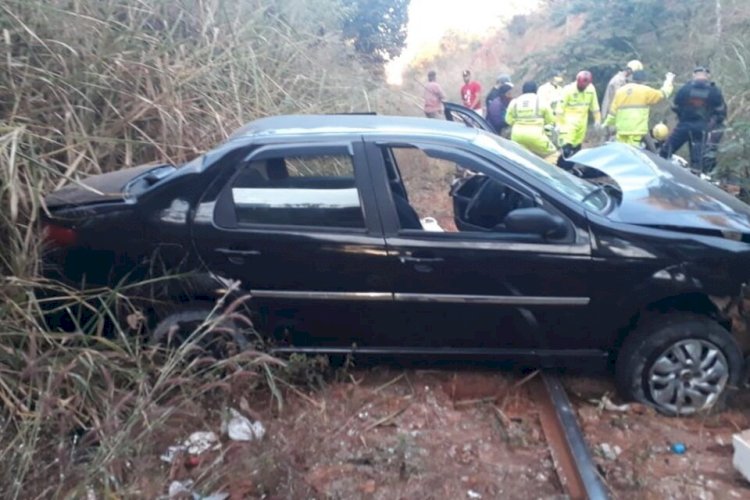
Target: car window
{"x":440,"y":195}
{"x":298,"y":190}
{"x":568,"y":185}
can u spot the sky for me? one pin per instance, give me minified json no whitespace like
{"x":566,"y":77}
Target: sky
{"x":430,"y":19}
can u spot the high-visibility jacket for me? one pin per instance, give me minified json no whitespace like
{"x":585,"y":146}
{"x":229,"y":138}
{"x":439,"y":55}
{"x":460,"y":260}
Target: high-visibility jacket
{"x":576,"y":106}
{"x":551,"y":95}
{"x":630,"y":109}
{"x":615,"y":84}
{"x":528,"y":115}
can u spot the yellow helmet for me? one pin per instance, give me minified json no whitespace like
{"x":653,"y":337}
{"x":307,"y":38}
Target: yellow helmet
{"x":635,"y":65}
{"x":660,"y":132}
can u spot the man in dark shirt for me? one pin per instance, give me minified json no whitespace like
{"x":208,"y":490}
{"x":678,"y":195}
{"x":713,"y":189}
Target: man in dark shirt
{"x":701,"y":111}
{"x":497,"y":103}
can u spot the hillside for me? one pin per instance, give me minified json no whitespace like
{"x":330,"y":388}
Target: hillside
{"x":601,"y":35}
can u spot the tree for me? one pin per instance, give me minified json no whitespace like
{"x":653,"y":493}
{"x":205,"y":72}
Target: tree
{"x":377,"y":28}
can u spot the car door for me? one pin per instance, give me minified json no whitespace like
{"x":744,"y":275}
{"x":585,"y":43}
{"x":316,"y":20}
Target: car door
{"x":456,"y":113}
{"x":482,"y":291}
{"x":299,"y":227}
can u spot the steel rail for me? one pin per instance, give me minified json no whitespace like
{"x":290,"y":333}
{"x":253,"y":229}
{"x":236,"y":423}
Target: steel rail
{"x":575,"y":468}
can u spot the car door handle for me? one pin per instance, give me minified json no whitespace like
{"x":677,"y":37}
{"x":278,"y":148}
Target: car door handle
{"x":408,"y":259}
{"x":240,"y":253}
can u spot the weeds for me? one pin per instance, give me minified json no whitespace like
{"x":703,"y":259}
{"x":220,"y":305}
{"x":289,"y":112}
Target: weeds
{"x":96,"y":85}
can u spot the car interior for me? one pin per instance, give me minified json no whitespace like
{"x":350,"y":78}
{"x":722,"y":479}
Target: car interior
{"x":480,"y":204}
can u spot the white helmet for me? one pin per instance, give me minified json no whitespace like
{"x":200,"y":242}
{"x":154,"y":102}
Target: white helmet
{"x":635,"y":65}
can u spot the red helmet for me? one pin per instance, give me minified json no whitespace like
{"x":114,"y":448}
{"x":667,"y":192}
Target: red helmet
{"x":583,"y":80}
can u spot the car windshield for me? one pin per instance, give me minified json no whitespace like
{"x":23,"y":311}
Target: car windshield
{"x":575,"y":188}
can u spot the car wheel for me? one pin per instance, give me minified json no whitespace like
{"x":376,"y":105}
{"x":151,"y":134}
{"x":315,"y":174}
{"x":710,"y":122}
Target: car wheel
{"x":221,"y":335}
{"x":680,"y":364}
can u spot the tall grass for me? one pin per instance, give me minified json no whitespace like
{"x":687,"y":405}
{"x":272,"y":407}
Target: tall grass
{"x":88,"y":86}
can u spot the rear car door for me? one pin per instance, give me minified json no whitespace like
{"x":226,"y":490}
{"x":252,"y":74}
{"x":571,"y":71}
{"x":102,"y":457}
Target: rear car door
{"x":475,"y":287}
{"x":299,"y":227}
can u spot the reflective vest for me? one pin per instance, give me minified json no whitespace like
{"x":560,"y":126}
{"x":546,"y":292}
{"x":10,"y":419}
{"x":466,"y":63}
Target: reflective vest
{"x":551,"y":95}
{"x":576,"y":106}
{"x":528,"y":115}
{"x":630,"y":108}
{"x":528,"y":111}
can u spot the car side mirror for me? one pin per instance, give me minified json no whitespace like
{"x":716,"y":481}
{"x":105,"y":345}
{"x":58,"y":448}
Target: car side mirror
{"x":535,"y":220}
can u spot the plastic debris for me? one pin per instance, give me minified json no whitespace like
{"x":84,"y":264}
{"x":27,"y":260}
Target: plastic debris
{"x":741,"y":459}
{"x":240,"y":428}
{"x":431,"y":224}
{"x":180,"y":487}
{"x":678,"y":448}
{"x":473,"y":494}
{"x":195,"y":444}
{"x":606,"y":404}
{"x":610,"y":452}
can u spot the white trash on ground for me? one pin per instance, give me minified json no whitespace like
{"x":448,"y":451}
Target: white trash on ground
{"x":195,"y":444}
{"x":741,"y":460}
{"x":240,"y":428}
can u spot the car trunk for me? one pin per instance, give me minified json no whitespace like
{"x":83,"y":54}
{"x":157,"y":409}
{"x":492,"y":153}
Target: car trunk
{"x":112,"y":186}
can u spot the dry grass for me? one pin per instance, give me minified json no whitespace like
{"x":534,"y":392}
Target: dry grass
{"x":95,"y":85}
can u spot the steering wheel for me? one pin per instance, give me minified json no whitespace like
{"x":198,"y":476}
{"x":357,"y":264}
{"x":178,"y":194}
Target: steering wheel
{"x":475,"y":200}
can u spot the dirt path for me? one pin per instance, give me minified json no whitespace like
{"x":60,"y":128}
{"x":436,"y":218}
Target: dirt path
{"x":387,"y":433}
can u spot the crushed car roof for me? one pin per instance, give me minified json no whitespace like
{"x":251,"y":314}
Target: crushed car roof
{"x":351,"y":124}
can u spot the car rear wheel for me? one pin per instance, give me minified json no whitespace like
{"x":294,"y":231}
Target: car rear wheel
{"x":211,"y":330}
{"x":680,"y":364}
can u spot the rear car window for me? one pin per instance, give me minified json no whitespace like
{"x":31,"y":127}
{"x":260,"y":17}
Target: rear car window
{"x":299,"y":191}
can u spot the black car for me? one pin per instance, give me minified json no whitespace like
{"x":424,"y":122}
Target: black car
{"x":324,"y":220}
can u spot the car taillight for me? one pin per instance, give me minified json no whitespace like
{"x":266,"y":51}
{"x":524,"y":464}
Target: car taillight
{"x":59,"y":235}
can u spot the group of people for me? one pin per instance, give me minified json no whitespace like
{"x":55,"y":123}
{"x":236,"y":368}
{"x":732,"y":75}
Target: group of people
{"x":551,"y":120}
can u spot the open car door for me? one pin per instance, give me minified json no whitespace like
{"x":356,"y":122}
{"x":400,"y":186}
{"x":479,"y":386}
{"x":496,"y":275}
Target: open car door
{"x":461,"y":114}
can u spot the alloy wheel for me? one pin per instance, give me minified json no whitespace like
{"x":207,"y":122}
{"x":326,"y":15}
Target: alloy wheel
{"x":688,"y":377}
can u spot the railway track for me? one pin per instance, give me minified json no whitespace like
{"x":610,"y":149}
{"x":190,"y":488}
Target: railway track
{"x":575,"y":467}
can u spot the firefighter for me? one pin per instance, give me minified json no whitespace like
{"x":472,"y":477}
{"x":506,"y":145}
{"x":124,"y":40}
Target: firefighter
{"x":551,"y":93}
{"x":617,"y":81}
{"x":528,"y":116}
{"x":701,"y":111}
{"x":579,"y":99}
{"x":630,"y":109}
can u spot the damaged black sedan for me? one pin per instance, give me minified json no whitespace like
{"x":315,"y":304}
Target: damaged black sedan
{"x":332,"y":225}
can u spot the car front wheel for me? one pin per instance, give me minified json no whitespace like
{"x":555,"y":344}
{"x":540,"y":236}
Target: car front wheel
{"x":680,"y":364}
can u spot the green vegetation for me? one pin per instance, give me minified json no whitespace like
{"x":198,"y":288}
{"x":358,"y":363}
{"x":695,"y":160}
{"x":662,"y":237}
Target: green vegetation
{"x":376,"y":27}
{"x":96,"y":85}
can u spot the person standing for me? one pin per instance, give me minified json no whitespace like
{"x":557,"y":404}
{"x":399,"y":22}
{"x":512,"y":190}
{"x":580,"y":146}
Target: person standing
{"x":551,"y":93}
{"x":497,"y":102}
{"x":528,"y":116}
{"x":701,"y":112}
{"x":617,"y":81}
{"x":630,"y":109}
{"x":579,"y":100}
{"x":471,"y":93}
{"x":433,"y":96}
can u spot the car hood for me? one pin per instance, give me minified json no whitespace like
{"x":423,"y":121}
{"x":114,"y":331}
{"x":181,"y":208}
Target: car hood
{"x":655,"y":192}
{"x":112,"y":186}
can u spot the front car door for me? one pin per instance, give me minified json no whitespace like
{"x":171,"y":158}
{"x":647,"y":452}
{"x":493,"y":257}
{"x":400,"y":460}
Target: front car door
{"x":475,"y":287}
{"x":299,"y":227}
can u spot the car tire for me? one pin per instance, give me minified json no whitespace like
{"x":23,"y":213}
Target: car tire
{"x":680,"y":364}
{"x":176,"y":324}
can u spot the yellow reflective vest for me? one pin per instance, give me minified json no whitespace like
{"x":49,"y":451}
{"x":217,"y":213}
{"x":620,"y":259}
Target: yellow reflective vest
{"x":576,"y":106}
{"x":551,"y":95}
{"x":528,"y":115}
{"x":630,"y":109}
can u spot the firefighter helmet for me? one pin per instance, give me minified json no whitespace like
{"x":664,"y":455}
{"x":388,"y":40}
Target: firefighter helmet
{"x":635,"y":65}
{"x":583,"y":80}
{"x":660,"y":132}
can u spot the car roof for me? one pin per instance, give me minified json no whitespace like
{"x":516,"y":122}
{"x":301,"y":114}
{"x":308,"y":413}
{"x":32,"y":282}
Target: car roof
{"x":347,"y":124}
